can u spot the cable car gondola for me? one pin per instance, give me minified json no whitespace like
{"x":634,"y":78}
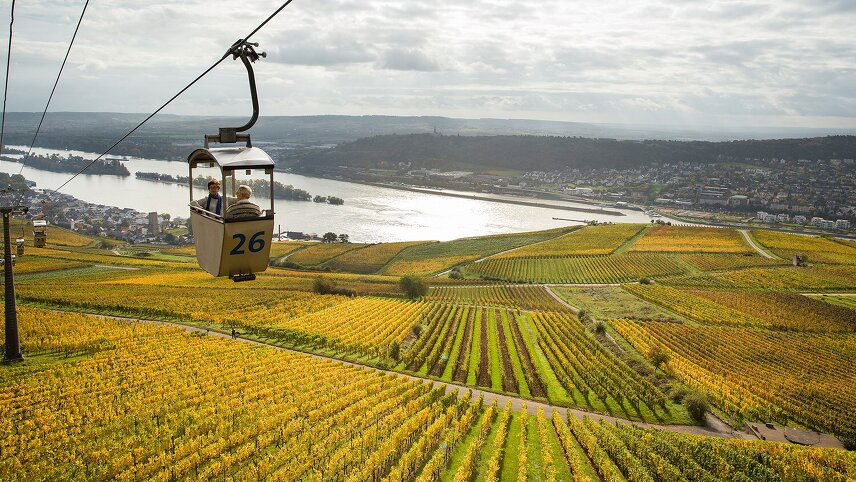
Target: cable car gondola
{"x":236,"y":247}
{"x":40,"y":234}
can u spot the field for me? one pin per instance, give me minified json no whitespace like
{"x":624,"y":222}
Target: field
{"x":317,"y":253}
{"x":768,"y":309}
{"x":818,"y":278}
{"x":428,"y":258}
{"x":524,"y":297}
{"x":162,"y":404}
{"x":814,"y":249}
{"x":480,"y":379}
{"x":762,"y":375}
{"x":369,"y":259}
{"x":589,"y":240}
{"x":588,"y":269}
{"x":684,"y":239}
{"x":845,"y":301}
{"x":607,"y":302}
{"x":35,"y":264}
{"x":786,"y":311}
{"x":722,"y":262}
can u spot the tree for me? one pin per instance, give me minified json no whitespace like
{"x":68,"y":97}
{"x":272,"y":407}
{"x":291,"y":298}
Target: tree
{"x":323,"y":286}
{"x":329,"y":237}
{"x":394,"y":351}
{"x":696,"y":406}
{"x":344,"y":238}
{"x":413,"y":286}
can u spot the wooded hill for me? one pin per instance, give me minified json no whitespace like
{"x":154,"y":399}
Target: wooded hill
{"x":547,"y":152}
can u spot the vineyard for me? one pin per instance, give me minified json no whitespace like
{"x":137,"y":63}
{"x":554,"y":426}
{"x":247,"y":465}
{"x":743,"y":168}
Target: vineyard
{"x":589,"y":372}
{"x":103,"y":399}
{"x":695,"y":306}
{"x":787,"y":311}
{"x":140,"y":401}
{"x":524,"y":297}
{"x":818,"y":278}
{"x":589,"y":269}
{"x":685,"y":239}
{"x":427,"y":258}
{"x":722,"y":262}
{"x":35,"y":264}
{"x":370,"y":259}
{"x":590,"y":240}
{"x":814,"y":249}
{"x":317,"y":253}
{"x":761,"y":375}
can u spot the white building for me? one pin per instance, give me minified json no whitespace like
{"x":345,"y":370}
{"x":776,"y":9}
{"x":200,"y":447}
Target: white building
{"x":842,"y":224}
{"x":783,"y":218}
{"x":799,"y":219}
{"x":816,"y":221}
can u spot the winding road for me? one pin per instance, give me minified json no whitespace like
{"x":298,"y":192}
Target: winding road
{"x":757,"y":248}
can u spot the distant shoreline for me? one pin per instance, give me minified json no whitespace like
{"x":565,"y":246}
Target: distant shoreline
{"x":475,"y":197}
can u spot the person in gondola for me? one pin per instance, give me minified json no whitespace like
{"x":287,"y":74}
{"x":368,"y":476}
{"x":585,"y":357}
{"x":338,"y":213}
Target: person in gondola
{"x":213,"y":202}
{"x":243,"y":207}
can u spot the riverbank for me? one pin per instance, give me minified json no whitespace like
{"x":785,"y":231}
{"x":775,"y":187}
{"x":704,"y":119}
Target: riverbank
{"x":438,"y":192}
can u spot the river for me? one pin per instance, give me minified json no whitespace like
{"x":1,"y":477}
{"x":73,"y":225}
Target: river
{"x":370,"y":213}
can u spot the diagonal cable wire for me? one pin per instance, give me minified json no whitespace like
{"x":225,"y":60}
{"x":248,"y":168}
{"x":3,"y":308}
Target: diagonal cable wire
{"x":6,"y":87}
{"x":203,"y":74}
{"x":50,"y":97}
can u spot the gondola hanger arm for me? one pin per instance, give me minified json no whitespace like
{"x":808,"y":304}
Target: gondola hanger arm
{"x":247,"y":53}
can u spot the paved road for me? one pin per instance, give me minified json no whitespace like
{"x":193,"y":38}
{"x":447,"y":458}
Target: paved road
{"x":757,"y":248}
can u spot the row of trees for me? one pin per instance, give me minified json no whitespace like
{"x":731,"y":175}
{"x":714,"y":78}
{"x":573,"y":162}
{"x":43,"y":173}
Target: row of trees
{"x":551,"y":152}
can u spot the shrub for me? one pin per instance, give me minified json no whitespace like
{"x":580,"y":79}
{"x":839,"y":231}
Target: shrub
{"x":696,"y":406}
{"x":658,"y":358}
{"x":394,"y":351}
{"x":413,"y":286}
{"x":678,"y":393}
{"x":600,"y":328}
{"x":341,"y":290}
{"x":287,"y":264}
{"x":456,"y":275}
{"x":645,"y":281}
{"x":323,"y":286}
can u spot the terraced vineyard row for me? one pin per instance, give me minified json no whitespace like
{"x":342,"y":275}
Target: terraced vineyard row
{"x":586,"y":369}
{"x":688,"y":239}
{"x":815,"y":278}
{"x":148,"y":402}
{"x":587,"y":241}
{"x":433,"y":257}
{"x":476,"y":345}
{"x":593,"y":269}
{"x":814,"y":249}
{"x":524,"y":297}
{"x":723,"y":262}
{"x":761,"y":375}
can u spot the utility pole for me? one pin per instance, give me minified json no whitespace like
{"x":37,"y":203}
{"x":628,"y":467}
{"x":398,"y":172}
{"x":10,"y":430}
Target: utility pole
{"x":13,"y":342}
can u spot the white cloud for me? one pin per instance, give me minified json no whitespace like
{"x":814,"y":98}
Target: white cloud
{"x":785,"y":62}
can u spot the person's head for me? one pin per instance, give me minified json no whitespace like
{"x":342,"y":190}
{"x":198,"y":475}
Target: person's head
{"x":214,"y":187}
{"x":243,"y":192}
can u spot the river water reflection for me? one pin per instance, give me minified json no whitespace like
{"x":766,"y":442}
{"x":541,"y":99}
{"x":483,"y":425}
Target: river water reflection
{"x":370,"y":213}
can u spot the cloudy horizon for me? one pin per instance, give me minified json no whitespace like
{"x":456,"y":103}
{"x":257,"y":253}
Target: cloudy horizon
{"x":787,"y":63}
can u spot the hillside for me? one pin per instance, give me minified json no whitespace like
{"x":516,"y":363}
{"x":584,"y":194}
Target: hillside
{"x":548,"y":153}
{"x":692,"y":321}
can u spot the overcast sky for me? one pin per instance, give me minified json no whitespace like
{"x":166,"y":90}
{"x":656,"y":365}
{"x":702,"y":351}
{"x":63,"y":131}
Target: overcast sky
{"x":681,"y":62}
